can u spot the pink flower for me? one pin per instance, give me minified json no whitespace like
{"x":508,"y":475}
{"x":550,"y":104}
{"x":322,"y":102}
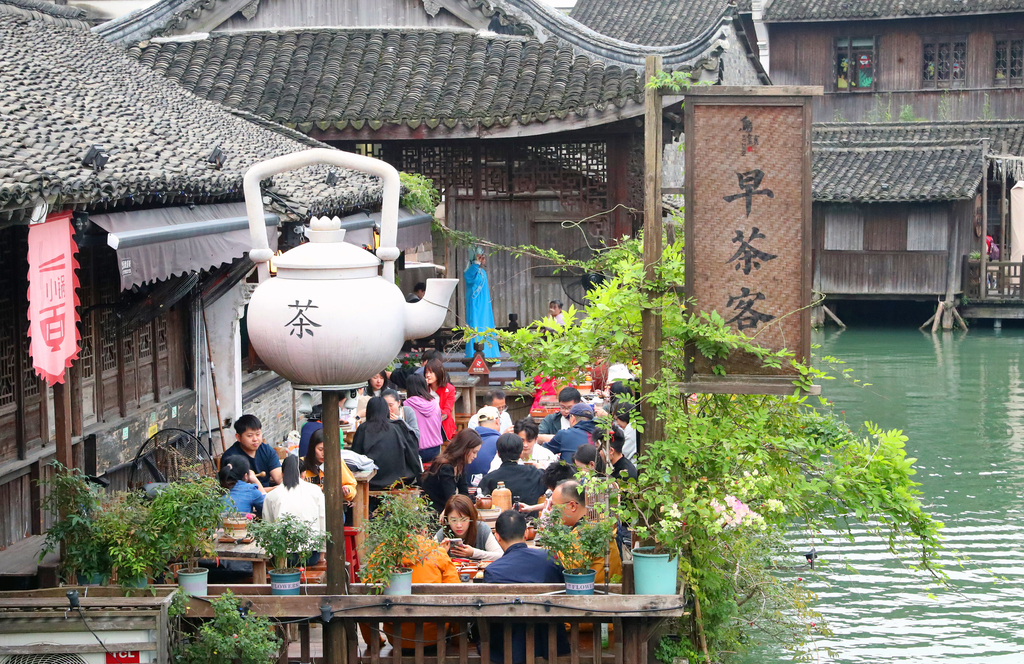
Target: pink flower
{"x":250,"y":516}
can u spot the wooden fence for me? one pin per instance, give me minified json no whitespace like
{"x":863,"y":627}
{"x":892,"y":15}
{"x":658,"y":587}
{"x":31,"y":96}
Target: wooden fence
{"x":1002,"y":283}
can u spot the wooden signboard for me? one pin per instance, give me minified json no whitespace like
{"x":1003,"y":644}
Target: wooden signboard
{"x":748,"y":228}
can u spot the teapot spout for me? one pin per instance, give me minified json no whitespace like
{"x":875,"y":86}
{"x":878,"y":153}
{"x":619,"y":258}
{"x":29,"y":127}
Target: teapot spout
{"x":423,"y":318}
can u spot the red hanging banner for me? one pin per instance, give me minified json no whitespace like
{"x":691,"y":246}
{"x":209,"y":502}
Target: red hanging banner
{"x":52,"y":297}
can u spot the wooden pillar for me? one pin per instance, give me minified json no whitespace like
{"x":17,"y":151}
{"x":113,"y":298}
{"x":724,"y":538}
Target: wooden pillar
{"x":62,"y":420}
{"x":983,"y":274}
{"x":334,"y":631}
{"x":650,"y":345}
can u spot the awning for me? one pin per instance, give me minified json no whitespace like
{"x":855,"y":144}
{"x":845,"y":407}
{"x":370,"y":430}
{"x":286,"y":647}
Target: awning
{"x":155,"y":244}
{"x":413,"y":231}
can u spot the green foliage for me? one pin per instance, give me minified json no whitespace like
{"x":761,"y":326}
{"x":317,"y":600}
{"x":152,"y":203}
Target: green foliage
{"x":882,"y":109}
{"x":674,"y":81}
{"x":69,"y":493}
{"x":946,"y":111}
{"x":136,"y":549}
{"x":986,"y":110}
{"x":229,"y":637}
{"x":907,"y":114}
{"x":289,"y":534}
{"x":185,"y":514}
{"x":394,"y":536}
{"x":419,"y":193}
{"x":671,"y":647}
{"x":734,"y":473}
{"x":837,"y":116}
{"x":575,"y":548}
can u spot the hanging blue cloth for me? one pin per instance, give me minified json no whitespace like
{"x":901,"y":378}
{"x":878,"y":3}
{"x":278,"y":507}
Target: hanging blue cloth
{"x":479,"y":313}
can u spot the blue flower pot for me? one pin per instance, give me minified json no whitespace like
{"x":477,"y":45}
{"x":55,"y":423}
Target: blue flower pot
{"x":579,"y":584}
{"x":94,"y":580}
{"x":654,"y":573}
{"x":401,"y":583}
{"x":285,"y":582}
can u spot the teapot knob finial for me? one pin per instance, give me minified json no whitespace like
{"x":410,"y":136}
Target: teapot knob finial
{"x":324,"y":224}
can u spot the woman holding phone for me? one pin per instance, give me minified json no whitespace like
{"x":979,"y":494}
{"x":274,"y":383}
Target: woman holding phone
{"x":463,"y":534}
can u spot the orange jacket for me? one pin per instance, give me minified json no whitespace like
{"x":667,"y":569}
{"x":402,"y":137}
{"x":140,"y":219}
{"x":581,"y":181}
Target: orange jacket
{"x":348,"y":480}
{"x":434,"y":567}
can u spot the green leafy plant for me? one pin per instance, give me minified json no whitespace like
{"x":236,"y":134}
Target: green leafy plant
{"x":74,"y":503}
{"x":135,"y":548}
{"x":186,"y":514}
{"x":734,"y":474}
{"x":419,"y":193}
{"x":230,"y":637}
{"x":575,"y":548}
{"x":288,"y":535}
{"x":394,"y":537}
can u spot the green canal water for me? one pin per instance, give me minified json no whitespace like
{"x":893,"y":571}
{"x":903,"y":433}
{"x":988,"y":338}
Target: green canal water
{"x":960,"y":400}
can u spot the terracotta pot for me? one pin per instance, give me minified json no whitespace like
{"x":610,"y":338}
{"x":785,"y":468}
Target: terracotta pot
{"x":236,"y":528}
{"x":531,"y":532}
{"x":483,"y":502}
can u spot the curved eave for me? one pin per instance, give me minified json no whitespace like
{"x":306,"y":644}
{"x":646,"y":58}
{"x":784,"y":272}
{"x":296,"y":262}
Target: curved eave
{"x":549,"y":21}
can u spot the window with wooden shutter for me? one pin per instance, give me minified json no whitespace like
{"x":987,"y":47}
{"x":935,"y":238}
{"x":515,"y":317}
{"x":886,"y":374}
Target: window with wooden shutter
{"x":944,"y":61}
{"x":928,"y":229}
{"x":1009,"y":60}
{"x":844,"y":228}
{"x":855,"y":64}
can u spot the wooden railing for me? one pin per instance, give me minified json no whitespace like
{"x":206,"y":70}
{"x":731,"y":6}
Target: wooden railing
{"x":1002,"y":283}
{"x":459,"y":614}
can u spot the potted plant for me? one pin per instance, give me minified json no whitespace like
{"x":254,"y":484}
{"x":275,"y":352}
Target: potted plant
{"x":186,"y":514}
{"x":287,"y":535}
{"x":395,"y":541}
{"x":236,"y":524}
{"x":232,"y":636}
{"x":135,"y":550}
{"x":576,"y":548}
{"x":74,"y":503}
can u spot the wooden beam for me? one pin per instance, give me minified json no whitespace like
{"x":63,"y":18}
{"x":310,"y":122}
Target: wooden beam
{"x":62,"y":421}
{"x":337,"y":581}
{"x":983,"y":277}
{"x":650,"y":344}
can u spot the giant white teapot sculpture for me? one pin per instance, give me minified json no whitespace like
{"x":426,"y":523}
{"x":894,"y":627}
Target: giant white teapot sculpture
{"x":328,"y":320}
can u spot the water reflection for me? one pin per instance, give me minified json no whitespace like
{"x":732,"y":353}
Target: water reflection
{"x":960,"y":399}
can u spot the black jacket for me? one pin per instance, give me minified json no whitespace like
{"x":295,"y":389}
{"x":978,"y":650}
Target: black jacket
{"x":395,"y":451}
{"x":441,"y":484}
{"x":521,"y":479}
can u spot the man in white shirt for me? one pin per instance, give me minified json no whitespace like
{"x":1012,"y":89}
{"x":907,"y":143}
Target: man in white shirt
{"x":623,"y":411}
{"x":538,"y":455}
{"x":496,"y":399}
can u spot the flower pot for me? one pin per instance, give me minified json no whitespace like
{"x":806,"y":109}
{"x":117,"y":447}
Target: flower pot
{"x":94,"y":580}
{"x":400,"y":584}
{"x":579,"y":582}
{"x":285,"y":582}
{"x":236,"y":528}
{"x":193,"y":580}
{"x":654,"y":573}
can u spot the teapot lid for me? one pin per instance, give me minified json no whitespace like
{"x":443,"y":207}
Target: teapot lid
{"x":326,"y":255}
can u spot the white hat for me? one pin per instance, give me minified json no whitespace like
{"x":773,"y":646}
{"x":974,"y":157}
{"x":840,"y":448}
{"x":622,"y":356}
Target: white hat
{"x":488,"y":413}
{"x":618,"y":372}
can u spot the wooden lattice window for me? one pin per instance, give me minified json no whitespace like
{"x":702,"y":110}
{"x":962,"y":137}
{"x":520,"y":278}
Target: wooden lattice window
{"x":448,"y":166}
{"x":8,"y":352}
{"x":86,"y":356}
{"x":855,"y":64}
{"x":944,"y":61}
{"x":1009,"y":54}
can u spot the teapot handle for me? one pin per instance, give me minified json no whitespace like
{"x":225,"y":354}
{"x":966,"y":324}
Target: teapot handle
{"x":388,"y":250}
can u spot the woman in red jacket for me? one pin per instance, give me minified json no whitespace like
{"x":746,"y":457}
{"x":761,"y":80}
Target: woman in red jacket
{"x":437,"y":381}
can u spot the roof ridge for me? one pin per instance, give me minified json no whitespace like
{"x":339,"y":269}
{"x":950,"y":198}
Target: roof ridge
{"x":35,"y":10}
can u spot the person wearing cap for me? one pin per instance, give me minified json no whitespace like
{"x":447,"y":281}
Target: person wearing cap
{"x":489,"y":419}
{"x":580,"y":432}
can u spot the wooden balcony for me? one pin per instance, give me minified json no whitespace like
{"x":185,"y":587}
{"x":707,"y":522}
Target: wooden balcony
{"x":1002,"y":285}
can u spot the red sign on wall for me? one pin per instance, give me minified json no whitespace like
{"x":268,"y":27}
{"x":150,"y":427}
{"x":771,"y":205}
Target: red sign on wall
{"x":52,"y":297}
{"x":123,"y":657}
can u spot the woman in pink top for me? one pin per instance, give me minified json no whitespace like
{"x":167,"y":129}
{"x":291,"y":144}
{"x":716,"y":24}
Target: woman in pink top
{"x":428,"y":416}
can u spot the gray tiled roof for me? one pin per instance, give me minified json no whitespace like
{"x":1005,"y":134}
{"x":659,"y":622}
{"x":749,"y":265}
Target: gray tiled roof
{"x":66,"y":90}
{"x":650,"y":22}
{"x":62,"y":15}
{"x":827,"y":10}
{"x":914,"y":161}
{"x":347,"y":77}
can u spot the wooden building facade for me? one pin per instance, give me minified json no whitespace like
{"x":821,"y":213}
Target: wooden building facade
{"x":890,"y":61}
{"x":134,"y":373}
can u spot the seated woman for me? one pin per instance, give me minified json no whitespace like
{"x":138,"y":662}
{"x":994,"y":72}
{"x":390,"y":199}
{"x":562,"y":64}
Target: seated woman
{"x":375,"y":387}
{"x":313,"y":467}
{"x":447,"y":474}
{"x":402,"y":413}
{"x":588,"y":458}
{"x":462,"y":522}
{"x":390,"y":444}
{"x":444,"y":392}
{"x":299,"y":498}
{"x":245,"y":493}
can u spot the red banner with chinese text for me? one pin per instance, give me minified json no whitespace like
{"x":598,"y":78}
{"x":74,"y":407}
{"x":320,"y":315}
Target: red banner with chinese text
{"x":52,"y":297}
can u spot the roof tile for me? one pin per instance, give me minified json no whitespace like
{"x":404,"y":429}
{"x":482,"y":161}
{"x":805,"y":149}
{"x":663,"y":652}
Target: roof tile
{"x":826,"y":10}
